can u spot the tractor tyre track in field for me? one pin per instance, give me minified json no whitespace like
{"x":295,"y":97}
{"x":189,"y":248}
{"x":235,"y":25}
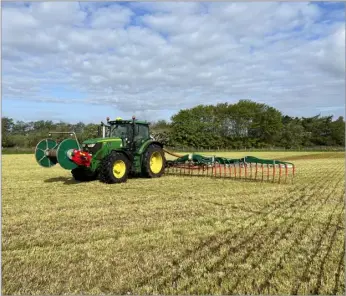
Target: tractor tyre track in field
{"x":212,"y":244}
{"x":295,"y":243}
{"x":262,"y":240}
{"x":323,"y":262}
{"x":341,"y":266}
{"x":211,"y":239}
{"x":294,"y":203}
{"x":305,"y":275}
{"x":274,"y":243}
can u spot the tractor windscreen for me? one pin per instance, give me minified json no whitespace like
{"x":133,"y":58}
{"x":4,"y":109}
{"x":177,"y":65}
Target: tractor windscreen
{"x":120,"y":131}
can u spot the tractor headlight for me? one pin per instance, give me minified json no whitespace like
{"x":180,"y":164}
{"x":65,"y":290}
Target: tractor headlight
{"x":93,"y":148}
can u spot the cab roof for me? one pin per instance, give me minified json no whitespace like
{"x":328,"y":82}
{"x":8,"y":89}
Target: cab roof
{"x":128,"y":121}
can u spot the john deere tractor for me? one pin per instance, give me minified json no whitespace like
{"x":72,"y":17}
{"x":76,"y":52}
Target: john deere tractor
{"x":123,"y":148}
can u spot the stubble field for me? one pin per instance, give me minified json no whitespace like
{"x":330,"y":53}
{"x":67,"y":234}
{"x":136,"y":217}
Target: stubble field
{"x":174,"y":235}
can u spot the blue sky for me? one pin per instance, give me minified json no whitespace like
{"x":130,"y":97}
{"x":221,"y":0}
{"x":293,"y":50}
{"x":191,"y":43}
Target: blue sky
{"x":85,"y":61}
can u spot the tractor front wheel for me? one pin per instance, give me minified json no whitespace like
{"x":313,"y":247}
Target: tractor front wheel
{"x":83,"y":175}
{"x":114,"y":168}
{"x":154,"y":162}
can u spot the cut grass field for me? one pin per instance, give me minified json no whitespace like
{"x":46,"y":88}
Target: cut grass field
{"x":174,"y":235}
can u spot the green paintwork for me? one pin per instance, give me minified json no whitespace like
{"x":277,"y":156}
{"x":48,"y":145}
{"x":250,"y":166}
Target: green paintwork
{"x":108,"y":144}
{"x":144,"y":146}
{"x":40,"y":153}
{"x":62,"y":153}
{"x":96,"y":140}
{"x":137,"y":160}
{"x":92,"y":141}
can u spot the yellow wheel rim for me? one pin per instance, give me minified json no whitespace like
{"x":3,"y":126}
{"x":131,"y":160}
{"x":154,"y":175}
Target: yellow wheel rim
{"x":119,"y":169}
{"x":156,"y":162}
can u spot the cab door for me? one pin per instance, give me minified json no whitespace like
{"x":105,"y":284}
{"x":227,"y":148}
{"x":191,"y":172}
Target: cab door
{"x":141,"y":135}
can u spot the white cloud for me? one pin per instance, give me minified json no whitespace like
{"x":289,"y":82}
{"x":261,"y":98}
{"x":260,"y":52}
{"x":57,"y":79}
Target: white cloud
{"x":113,"y":17}
{"x":51,"y":14}
{"x":156,"y":58}
{"x":331,"y":55}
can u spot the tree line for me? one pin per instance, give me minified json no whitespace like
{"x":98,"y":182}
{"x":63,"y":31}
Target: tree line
{"x":246,"y":124}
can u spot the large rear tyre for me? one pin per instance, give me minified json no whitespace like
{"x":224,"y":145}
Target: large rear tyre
{"x":154,"y":162}
{"x":83,"y":175}
{"x":114,"y":168}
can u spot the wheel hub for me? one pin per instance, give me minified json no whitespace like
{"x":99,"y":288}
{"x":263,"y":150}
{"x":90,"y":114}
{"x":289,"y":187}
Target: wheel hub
{"x":119,"y":168}
{"x":156,"y":162}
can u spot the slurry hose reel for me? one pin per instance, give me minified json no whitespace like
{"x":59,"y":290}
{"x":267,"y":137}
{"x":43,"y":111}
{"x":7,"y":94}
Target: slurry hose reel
{"x":49,"y":152}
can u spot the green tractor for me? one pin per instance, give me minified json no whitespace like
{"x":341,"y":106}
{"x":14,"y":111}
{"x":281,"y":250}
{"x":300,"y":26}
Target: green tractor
{"x":123,"y":148}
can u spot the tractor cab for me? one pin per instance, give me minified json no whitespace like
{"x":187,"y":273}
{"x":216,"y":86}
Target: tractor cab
{"x":132,"y":132}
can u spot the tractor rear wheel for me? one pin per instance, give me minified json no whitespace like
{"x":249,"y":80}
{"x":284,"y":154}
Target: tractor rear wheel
{"x":83,"y":175}
{"x":154,"y":162}
{"x":114,"y":168}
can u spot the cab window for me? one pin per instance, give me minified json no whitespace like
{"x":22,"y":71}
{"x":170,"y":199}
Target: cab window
{"x":120,"y":131}
{"x":143,"y":132}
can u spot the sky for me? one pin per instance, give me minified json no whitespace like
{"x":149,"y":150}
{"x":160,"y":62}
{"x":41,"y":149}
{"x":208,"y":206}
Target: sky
{"x":84,"y":61}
